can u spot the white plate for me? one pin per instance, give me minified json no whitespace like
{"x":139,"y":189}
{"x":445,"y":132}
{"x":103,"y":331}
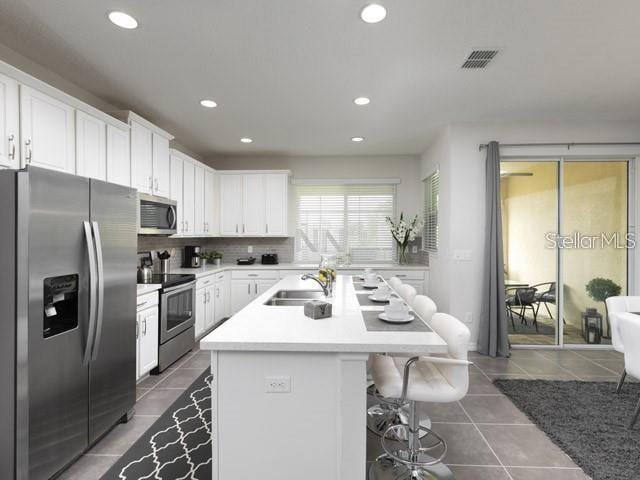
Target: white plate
{"x":367,"y":285}
{"x":384,"y":318}
{"x":375,"y":298}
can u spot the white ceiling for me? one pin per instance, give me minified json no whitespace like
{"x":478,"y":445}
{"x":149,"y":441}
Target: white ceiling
{"x":284,"y":72}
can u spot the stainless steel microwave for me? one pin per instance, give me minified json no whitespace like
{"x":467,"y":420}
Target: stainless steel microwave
{"x":156,"y":215}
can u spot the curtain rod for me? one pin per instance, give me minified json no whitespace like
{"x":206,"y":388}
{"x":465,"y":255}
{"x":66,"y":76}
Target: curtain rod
{"x":564,"y":144}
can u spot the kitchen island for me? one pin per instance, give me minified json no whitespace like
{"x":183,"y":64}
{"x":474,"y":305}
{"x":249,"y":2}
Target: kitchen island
{"x":289,"y":392}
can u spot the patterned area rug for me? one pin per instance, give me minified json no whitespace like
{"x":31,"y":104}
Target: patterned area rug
{"x":587,"y":420}
{"x":178,"y":444}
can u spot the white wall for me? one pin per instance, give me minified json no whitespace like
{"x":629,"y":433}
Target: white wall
{"x":457,"y":286}
{"x":404,"y":167}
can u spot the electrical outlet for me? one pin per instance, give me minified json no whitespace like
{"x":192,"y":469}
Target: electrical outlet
{"x":414,"y":249}
{"x":250,"y":249}
{"x":277,"y":384}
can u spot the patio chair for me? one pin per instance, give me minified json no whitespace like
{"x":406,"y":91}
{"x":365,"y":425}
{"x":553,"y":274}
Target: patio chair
{"x":519,"y":301}
{"x":545,"y":296}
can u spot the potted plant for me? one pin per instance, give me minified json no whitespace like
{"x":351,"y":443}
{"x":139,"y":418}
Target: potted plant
{"x":216,"y":257}
{"x":404,"y":232}
{"x":599,"y":289}
{"x":206,"y":257}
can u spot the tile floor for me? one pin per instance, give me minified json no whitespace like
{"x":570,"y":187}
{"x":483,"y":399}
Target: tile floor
{"x":489,"y":438}
{"x":155,"y":394}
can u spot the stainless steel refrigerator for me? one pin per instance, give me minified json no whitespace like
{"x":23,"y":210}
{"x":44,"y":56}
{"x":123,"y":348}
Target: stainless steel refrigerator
{"x":68,"y":310}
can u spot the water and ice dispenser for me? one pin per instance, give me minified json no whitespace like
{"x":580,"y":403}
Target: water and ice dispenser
{"x":60,"y":304}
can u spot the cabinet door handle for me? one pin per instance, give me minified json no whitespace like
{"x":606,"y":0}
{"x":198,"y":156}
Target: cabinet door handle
{"x":256,"y":287}
{"x":12,"y":147}
{"x":243,"y":228}
{"x":144,"y":331}
{"x":182,"y":226}
{"x":236,"y":228}
{"x":249,"y":288}
{"x":28,"y":152}
{"x":187,"y":227}
{"x":266,"y":227}
{"x":217,"y":293}
{"x":151,"y":183}
{"x":156,"y":180}
{"x":137,"y":329}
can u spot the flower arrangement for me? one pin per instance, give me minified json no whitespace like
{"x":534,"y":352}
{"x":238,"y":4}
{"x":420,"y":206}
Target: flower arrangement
{"x":404,"y":232}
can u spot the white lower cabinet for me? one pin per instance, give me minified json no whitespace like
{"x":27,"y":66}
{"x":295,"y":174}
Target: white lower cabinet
{"x":222,"y":297}
{"x":147,"y":340}
{"x":247,"y":285}
{"x":210,"y":302}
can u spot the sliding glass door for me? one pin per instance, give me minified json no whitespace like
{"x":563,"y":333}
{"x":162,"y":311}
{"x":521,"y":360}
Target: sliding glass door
{"x":565,"y":226}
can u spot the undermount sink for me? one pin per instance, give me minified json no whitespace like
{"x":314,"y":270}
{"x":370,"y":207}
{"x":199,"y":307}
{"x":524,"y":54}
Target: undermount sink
{"x":287,"y":302}
{"x":306,"y":294}
{"x":293,"y":298}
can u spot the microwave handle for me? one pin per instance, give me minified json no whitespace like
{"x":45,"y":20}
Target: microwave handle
{"x":172,"y":217}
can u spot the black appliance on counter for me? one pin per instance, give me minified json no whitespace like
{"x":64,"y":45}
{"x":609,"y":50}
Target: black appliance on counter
{"x":269,"y":259}
{"x":192,"y":256}
{"x":246,"y":261}
{"x":177,"y":317}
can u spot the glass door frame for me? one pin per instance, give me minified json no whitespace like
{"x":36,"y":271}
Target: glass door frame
{"x":560,"y":161}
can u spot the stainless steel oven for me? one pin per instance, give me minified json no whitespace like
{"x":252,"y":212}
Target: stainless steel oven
{"x":177,"y":310}
{"x":156,"y":215}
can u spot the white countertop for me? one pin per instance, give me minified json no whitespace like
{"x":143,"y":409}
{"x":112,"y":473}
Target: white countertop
{"x":148,"y":287}
{"x":259,"y":327}
{"x":211,"y":269}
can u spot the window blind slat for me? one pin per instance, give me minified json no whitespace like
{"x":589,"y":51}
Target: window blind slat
{"x":344,"y":219}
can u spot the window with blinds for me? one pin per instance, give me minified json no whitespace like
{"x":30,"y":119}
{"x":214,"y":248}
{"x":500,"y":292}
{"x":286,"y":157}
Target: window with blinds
{"x":344,"y":219}
{"x":431,"y":205}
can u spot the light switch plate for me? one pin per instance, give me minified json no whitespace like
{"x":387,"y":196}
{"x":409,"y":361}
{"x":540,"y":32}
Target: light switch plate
{"x":250,"y":249}
{"x":277,"y":384}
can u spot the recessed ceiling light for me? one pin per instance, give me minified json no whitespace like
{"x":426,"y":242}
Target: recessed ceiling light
{"x":123,"y":20}
{"x":360,"y":101}
{"x":246,"y":140}
{"x":373,"y":13}
{"x":357,"y":139}
{"x":208,"y":103}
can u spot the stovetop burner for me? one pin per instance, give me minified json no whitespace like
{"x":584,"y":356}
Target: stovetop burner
{"x":171,"y":279}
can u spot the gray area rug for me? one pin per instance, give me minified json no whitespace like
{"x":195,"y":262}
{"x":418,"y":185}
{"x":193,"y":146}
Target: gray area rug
{"x":587,"y":420}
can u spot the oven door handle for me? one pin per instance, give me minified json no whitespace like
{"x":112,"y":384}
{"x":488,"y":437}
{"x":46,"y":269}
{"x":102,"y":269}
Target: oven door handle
{"x":184,"y":286}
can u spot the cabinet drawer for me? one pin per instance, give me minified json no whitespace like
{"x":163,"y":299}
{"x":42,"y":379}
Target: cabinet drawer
{"x":220,"y":277}
{"x":255,"y":274}
{"x":204,"y":281}
{"x":147,"y":300}
{"x":403,"y":274}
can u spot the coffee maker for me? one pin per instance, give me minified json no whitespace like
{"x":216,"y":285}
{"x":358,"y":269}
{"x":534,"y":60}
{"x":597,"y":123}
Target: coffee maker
{"x":192,"y":256}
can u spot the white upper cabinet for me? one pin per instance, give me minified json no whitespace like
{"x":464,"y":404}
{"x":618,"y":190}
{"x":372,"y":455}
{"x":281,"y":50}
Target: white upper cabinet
{"x":150,"y":155}
{"x":91,"y":146}
{"x":141,"y":158}
{"x":231,"y":187}
{"x":188,"y":197}
{"x":253,"y":205}
{"x":209,"y":203}
{"x":9,"y":123}
{"x":199,"y":201}
{"x":276,"y":204}
{"x":161,"y":166}
{"x":118,"y":156}
{"x":177,"y":181}
{"x":47,"y":131}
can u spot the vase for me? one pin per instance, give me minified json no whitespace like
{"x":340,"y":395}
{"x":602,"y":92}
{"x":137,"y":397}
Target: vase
{"x":402,"y":255}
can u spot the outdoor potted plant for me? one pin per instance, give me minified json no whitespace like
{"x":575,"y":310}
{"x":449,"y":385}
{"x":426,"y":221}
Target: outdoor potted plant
{"x":599,"y":289}
{"x":404,"y":232}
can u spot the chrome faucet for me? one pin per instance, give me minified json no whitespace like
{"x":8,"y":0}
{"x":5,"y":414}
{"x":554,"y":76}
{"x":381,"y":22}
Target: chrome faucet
{"x":327,"y":287}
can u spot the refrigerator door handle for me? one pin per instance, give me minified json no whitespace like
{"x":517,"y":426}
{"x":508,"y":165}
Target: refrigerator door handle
{"x":100,"y":314}
{"x":92,"y":292}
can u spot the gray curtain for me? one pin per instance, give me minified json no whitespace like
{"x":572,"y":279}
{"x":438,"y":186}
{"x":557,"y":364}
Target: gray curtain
{"x":493,"y":337}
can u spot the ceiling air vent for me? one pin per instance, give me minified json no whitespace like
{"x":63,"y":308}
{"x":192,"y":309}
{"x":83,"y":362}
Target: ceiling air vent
{"x":479,"y":58}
